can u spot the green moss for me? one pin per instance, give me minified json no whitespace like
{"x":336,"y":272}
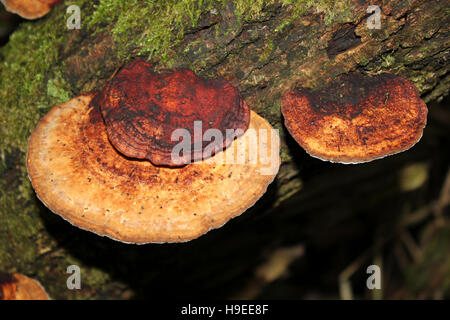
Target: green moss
{"x":267,"y":51}
{"x":57,"y":89}
{"x":251,"y":10}
{"x":338,"y":11}
{"x":92,"y":276}
{"x":19,"y":228}
{"x":31,"y":82}
{"x":388,"y":61}
{"x":363,"y":61}
{"x":28,"y":59}
{"x":152,"y":28}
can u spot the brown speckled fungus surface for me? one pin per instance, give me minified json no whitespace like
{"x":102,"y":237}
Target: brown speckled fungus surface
{"x":19,"y":287}
{"x":356,"y":118}
{"x":79,"y":175}
{"x":29,"y":9}
{"x":142,"y":109}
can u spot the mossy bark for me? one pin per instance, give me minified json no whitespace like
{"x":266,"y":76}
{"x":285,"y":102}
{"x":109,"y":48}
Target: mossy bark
{"x":263,"y":50}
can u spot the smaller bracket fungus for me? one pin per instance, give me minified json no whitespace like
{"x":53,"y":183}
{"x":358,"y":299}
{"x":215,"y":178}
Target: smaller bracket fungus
{"x":29,"y":9}
{"x":143,"y":108}
{"x":19,"y":287}
{"x":78,"y":174}
{"x":356,"y":118}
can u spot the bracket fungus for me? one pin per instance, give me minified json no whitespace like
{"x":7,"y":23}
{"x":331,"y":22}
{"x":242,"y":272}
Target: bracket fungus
{"x":29,"y":9}
{"x":142,"y":108}
{"x":78,"y":174}
{"x":19,"y":287}
{"x":356,"y":118}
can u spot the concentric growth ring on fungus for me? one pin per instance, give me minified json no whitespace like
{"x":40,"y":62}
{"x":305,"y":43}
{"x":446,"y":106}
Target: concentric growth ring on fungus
{"x":143,"y":108}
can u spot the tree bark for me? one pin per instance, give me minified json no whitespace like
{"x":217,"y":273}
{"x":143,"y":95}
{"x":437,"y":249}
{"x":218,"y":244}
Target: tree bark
{"x":311,"y":202}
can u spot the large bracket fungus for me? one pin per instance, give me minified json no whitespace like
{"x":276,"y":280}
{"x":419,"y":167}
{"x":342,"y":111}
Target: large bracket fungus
{"x":356,"y":118}
{"x":142,"y":109}
{"x":19,"y":287}
{"x":29,"y":9}
{"x":79,"y":175}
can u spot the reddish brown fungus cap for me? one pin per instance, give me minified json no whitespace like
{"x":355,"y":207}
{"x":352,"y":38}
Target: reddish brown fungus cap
{"x":78,"y":174}
{"x":19,"y":287}
{"x":29,"y":9}
{"x":356,"y":118}
{"x":143,"y":108}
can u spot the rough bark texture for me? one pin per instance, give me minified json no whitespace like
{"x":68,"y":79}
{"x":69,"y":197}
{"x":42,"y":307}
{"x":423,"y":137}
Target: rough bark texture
{"x":264,"y":51}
